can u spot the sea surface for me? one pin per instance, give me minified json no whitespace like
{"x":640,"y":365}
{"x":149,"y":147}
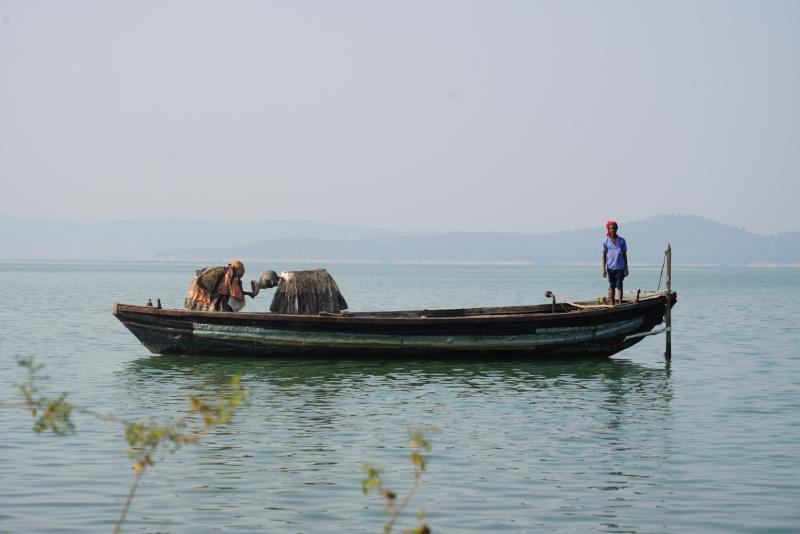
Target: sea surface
{"x":709,"y":443}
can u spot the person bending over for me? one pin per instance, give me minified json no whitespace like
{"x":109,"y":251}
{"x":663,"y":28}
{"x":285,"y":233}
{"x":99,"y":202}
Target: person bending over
{"x":218,"y":289}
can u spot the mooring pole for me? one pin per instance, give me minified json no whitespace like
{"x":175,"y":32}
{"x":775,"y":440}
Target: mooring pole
{"x":668,"y":315}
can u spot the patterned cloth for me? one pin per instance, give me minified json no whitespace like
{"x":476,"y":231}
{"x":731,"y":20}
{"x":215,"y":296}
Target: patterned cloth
{"x":198,"y":298}
{"x":231,"y":285}
{"x":212,"y":288}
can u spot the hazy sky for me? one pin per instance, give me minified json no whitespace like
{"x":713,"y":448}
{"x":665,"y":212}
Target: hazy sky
{"x":493,"y":115}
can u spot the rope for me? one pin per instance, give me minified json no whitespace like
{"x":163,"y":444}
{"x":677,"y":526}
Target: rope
{"x":662,"y":271}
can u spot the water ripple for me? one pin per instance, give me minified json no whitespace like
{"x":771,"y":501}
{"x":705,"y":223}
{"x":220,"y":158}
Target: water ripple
{"x":626,"y":445}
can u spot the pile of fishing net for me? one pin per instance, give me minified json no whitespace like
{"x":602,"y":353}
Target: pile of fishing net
{"x":307,"y":293}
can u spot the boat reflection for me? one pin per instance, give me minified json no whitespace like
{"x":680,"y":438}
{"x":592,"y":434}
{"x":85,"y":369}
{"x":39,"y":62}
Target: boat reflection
{"x":617,"y":376}
{"x":587,"y":430}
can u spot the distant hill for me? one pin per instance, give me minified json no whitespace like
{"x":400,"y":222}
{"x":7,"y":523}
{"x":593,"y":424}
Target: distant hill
{"x":141,"y":240}
{"x":695,"y":240}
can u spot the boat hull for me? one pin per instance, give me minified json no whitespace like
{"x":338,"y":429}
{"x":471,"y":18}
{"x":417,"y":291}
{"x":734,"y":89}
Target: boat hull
{"x":524,"y":332}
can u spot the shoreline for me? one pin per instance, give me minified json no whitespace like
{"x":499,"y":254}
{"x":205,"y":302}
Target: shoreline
{"x":318,"y":262}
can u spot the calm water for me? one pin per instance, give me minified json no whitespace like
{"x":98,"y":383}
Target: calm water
{"x":708,"y":444}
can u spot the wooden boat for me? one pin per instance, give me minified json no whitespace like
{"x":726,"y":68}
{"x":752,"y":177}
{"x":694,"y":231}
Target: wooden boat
{"x":581,"y":329}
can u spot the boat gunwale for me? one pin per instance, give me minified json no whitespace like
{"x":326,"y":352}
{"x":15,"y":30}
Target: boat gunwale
{"x":363,"y":317}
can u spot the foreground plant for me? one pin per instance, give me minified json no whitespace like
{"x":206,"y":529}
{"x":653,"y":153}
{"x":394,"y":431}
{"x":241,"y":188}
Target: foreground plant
{"x":54,"y":414}
{"x":373,"y":481}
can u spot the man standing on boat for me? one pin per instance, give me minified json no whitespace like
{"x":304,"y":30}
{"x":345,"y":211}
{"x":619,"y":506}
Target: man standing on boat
{"x":615,"y":261}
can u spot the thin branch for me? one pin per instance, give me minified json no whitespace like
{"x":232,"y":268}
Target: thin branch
{"x":140,"y":436}
{"x":101,"y":416}
{"x":397,"y":510}
{"x":131,"y":493}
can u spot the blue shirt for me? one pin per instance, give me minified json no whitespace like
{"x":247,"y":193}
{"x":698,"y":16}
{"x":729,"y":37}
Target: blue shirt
{"x":614,"y":257}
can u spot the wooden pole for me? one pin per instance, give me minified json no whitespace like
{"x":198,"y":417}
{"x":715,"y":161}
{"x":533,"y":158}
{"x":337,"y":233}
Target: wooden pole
{"x":668,"y":316}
